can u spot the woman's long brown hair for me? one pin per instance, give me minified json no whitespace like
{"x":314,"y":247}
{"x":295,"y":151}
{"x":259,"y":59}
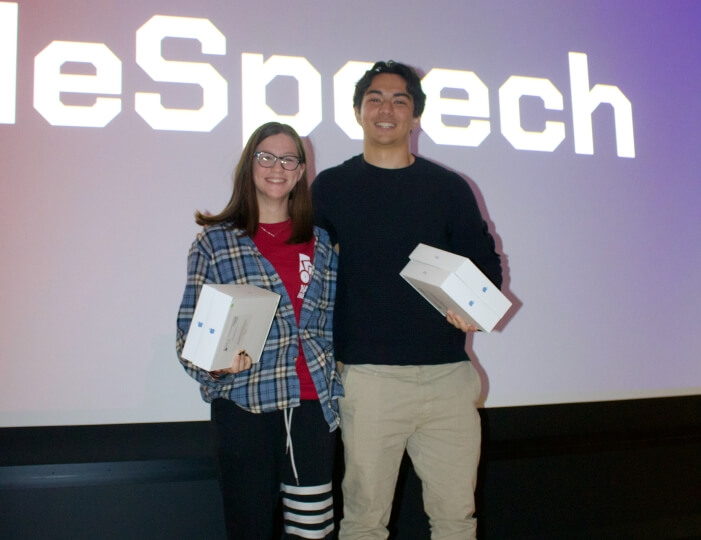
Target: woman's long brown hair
{"x":242,"y":208}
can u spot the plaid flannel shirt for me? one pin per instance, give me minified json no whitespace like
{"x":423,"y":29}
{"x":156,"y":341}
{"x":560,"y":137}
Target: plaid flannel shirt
{"x":220,"y":255}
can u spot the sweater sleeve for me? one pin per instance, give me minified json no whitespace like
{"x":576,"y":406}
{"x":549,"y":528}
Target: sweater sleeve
{"x":470,"y":236}
{"x":322,"y":203}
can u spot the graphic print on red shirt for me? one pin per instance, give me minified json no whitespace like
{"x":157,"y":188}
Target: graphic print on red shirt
{"x":294,"y":264}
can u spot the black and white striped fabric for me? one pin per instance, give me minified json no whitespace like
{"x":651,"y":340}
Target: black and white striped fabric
{"x":307,"y":510}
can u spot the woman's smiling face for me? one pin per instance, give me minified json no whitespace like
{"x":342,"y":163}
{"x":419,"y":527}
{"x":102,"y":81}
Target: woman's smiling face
{"x":276,"y":183}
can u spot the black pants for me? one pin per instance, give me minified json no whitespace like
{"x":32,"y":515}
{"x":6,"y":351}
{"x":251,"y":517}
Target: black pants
{"x":256,"y":471}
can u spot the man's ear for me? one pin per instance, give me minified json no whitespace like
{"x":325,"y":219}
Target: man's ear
{"x":357,"y":115}
{"x":415,"y":122}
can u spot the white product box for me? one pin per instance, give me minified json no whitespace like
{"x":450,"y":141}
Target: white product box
{"x":451,"y":282}
{"x":228,"y":318}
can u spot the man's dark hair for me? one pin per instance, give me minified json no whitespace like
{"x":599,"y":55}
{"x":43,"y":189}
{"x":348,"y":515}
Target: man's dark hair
{"x":413,"y":83}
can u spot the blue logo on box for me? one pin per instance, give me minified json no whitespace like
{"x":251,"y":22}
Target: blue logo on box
{"x":472,"y":303}
{"x":199,"y":324}
{"x":484,"y":289}
{"x":211,"y":330}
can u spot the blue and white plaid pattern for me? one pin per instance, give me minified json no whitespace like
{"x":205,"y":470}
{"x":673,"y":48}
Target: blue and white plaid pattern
{"x":220,"y":255}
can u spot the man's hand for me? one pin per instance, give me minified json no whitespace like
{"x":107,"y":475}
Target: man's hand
{"x":459,"y":323}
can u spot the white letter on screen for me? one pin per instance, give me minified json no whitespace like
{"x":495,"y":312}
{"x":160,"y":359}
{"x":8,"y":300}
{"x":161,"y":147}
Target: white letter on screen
{"x":510,"y":112}
{"x":8,"y":62}
{"x":49,"y":83}
{"x":475,"y":106}
{"x":585,"y":102}
{"x":344,"y":82}
{"x":257,"y":74}
{"x":215,"y":103}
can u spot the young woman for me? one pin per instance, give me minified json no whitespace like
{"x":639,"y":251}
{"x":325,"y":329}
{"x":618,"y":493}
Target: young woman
{"x":274,"y":420}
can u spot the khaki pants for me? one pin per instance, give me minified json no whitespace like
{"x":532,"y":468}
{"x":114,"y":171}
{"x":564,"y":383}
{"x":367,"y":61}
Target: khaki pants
{"x":431,"y":412}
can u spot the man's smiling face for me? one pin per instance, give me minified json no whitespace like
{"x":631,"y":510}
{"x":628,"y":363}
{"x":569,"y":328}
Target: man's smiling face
{"x":386,"y":112}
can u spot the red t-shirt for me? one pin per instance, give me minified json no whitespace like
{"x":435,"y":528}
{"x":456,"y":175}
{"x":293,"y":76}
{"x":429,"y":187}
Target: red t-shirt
{"x":293,"y":263}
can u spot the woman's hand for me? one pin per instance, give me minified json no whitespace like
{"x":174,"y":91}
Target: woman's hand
{"x":241,"y":363}
{"x":459,"y":323}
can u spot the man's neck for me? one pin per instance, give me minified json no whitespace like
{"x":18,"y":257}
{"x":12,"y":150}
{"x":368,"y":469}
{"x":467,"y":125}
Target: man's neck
{"x":388,"y":158}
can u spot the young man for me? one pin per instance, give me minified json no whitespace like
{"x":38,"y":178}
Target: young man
{"x":408,"y":381}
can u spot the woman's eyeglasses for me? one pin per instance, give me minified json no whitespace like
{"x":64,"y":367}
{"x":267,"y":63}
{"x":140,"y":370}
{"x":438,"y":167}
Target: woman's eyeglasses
{"x":268,"y":160}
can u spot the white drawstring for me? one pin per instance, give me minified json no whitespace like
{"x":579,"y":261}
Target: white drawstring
{"x":288,"y":446}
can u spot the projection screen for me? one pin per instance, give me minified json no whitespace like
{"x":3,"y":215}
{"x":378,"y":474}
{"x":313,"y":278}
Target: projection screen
{"x":576,"y":123}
